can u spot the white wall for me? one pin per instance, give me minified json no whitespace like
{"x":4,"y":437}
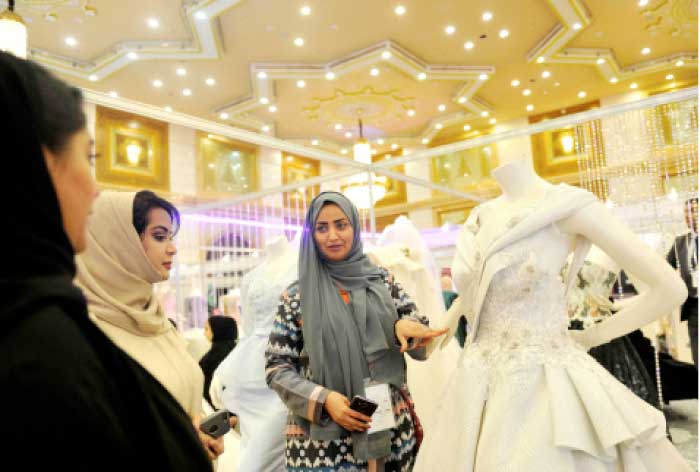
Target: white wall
{"x":183,"y":157}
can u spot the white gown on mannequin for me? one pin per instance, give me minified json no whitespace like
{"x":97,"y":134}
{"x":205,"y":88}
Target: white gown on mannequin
{"x":525,"y":397}
{"x":241,"y":376}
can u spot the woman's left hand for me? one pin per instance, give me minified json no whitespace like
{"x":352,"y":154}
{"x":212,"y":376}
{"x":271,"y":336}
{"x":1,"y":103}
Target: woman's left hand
{"x":406,"y":329}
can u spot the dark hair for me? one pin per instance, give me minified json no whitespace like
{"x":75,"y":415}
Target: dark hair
{"x":689,"y":202}
{"x":144,"y":202}
{"x":61,"y":109}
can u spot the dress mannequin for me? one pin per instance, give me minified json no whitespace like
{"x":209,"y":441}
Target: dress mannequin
{"x":241,"y":385}
{"x":525,"y":394}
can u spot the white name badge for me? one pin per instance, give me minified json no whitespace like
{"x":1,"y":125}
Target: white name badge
{"x":383,"y":417}
{"x":694,"y":277}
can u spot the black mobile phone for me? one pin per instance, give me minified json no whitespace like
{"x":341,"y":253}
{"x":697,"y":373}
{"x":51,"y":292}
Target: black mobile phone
{"x":363,"y":405}
{"x":216,"y":424}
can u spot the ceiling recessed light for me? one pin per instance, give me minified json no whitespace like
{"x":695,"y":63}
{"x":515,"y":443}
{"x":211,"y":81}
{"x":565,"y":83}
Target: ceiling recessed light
{"x":264,"y":100}
{"x":441,"y":107}
{"x":646,"y":51}
{"x":262,"y":75}
{"x":669,"y":77}
{"x":200,"y":15}
{"x":380,"y":141}
{"x":462,"y":100}
{"x":181,"y":71}
{"x":132,"y":55}
{"x":577,"y":26}
{"x":374,"y":72}
{"x":546,"y":74}
{"x":483,"y":76}
{"x":425,"y":140}
{"x":338,"y":126}
{"x":467,"y":127}
{"x":422,"y":76}
{"x":581,"y":94}
{"x":634,"y":85}
{"x":530,"y":107}
{"x":266,"y":128}
{"x":514,"y":83}
{"x":223,"y":115}
{"x":305,"y":10}
{"x":272,"y":109}
{"x":643,"y":3}
{"x":158,"y":83}
{"x":330,"y":76}
{"x":186,"y":92}
{"x":492,"y":121}
{"x":679,"y":63}
{"x":411,"y":112}
{"x":343,"y":151}
{"x":394,"y":147}
{"x":600,"y":60}
{"x":438,"y":126}
{"x":169,"y":109}
{"x":613,"y":80}
{"x":93,"y":78}
{"x":400,"y":10}
{"x":298,"y":42}
{"x":487,"y":16}
{"x":210,"y":81}
{"x":348,"y":134}
{"x":469,"y":45}
{"x":504,"y":33}
{"x":484,"y":113}
{"x":71,"y":41}
{"x":153,"y":23}
{"x":113,"y":94}
{"x":540,"y":59}
{"x":314,"y":142}
{"x":527,"y":92}
{"x":301,"y":84}
{"x":449,"y":29}
{"x":557,"y":84}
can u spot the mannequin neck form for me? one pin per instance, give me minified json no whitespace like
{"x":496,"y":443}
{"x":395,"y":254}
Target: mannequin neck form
{"x":275,"y":248}
{"x":518,"y":180}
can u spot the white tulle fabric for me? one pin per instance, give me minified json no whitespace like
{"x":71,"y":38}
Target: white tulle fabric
{"x":526,"y":397}
{"x":241,"y":376}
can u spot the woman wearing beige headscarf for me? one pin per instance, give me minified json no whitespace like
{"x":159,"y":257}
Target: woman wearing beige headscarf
{"x":130,"y":248}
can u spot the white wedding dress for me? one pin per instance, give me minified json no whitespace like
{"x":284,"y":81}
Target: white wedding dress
{"x":525,"y":397}
{"x":241,"y":376}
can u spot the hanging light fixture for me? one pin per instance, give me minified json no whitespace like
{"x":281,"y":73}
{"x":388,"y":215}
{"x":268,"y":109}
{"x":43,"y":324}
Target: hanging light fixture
{"x":13,"y":32}
{"x":358,"y":187}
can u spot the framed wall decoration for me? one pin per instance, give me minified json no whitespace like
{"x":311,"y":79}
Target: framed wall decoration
{"x":133,"y":151}
{"x":466,"y":169}
{"x":225,"y":167}
{"x":297,"y":169}
{"x":554,"y":152}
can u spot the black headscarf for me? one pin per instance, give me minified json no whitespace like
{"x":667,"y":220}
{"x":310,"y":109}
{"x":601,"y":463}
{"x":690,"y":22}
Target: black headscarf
{"x":225,"y":334}
{"x":36,"y":243}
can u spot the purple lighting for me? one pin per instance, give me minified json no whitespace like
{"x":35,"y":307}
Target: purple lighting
{"x":234,"y":221}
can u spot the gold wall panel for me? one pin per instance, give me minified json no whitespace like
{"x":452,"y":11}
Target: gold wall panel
{"x":225,"y":167}
{"x":395,"y":189}
{"x":465,"y":170}
{"x":297,"y":169}
{"x":454,"y":213}
{"x":133,"y":151}
{"x":554,"y":152}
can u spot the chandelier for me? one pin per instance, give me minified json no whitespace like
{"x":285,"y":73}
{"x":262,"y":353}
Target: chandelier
{"x":13,"y":32}
{"x":366,"y":188}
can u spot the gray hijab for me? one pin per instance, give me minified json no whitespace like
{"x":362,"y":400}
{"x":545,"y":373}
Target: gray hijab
{"x":347,"y":343}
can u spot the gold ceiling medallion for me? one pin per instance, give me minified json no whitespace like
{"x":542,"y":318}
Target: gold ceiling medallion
{"x":344,"y":106}
{"x":672,"y":17}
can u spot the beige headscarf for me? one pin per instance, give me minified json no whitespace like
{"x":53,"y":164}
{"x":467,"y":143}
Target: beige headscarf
{"x":117,"y":279}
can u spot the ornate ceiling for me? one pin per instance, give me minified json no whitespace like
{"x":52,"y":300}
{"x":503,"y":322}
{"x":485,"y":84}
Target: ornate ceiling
{"x":441,"y":69}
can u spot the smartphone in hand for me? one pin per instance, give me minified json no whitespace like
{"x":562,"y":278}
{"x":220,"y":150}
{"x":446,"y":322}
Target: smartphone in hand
{"x":217,"y":424}
{"x":363,"y":405}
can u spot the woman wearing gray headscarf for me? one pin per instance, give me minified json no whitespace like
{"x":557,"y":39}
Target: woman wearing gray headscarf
{"x":344,"y":323}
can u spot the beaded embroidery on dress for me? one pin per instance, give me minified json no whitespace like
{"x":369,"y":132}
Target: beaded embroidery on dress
{"x":525,"y":397}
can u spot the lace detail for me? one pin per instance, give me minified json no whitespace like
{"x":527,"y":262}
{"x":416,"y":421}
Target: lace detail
{"x":262,"y":290}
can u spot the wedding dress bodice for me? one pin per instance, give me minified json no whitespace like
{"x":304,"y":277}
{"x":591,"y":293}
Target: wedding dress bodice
{"x":260,"y":294}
